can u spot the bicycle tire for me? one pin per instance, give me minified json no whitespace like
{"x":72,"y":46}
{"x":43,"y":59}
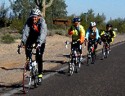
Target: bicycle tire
{"x":104,"y":53}
{"x":36,"y":80}
{"x":89,"y":59}
{"x":26,"y":81}
{"x":78,"y":65}
{"x":93,"y":58}
{"x":71,"y":68}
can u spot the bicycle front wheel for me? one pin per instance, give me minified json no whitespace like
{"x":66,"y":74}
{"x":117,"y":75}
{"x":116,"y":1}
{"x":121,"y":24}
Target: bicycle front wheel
{"x":71,"y":68}
{"x":35,"y":78}
{"x":26,"y":81}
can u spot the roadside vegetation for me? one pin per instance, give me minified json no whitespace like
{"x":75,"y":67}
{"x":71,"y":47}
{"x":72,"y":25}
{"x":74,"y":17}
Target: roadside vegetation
{"x":13,"y":18}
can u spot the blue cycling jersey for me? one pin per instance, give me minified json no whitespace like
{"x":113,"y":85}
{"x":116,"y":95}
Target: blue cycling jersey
{"x":90,"y":34}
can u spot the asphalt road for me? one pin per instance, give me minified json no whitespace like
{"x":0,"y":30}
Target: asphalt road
{"x":104,"y":78}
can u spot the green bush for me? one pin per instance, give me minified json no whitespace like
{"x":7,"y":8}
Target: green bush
{"x":7,"y":38}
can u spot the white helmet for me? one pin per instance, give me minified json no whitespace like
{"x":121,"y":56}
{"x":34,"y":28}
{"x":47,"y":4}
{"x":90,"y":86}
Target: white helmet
{"x":36,"y":11}
{"x":92,"y":24}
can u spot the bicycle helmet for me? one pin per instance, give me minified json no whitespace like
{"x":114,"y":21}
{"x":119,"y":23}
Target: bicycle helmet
{"x":92,"y":24}
{"x":108,"y":25}
{"x":76,"y":19}
{"x":36,"y":11}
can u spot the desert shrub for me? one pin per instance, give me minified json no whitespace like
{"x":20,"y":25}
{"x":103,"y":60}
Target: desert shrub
{"x":7,"y":38}
{"x":61,"y":32}
{"x":51,"y":33}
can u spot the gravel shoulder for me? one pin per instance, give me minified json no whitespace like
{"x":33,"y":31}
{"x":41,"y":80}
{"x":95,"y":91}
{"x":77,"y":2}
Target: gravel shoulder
{"x":11,"y":63}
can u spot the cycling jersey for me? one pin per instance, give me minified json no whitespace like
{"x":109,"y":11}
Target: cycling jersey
{"x":109,"y":35}
{"x":34,"y":32}
{"x":78,"y":33}
{"x":92,"y":35}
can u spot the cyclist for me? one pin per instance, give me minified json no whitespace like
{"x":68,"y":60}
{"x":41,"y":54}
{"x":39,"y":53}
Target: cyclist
{"x":77,"y":32}
{"x":108,"y":35}
{"x":92,"y":35}
{"x":35,"y":31}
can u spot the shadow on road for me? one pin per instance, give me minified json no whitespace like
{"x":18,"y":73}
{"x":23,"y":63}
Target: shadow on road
{"x":4,"y":68}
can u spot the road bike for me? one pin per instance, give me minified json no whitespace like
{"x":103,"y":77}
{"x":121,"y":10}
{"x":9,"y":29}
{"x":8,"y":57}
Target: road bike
{"x":30,"y":70}
{"x":75,"y":59}
{"x":91,"y":55}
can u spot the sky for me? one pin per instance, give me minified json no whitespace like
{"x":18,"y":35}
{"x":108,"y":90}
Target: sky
{"x":111,"y":8}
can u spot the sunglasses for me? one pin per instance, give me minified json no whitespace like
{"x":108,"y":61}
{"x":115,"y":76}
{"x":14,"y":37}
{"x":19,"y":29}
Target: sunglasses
{"x":35,"y":18}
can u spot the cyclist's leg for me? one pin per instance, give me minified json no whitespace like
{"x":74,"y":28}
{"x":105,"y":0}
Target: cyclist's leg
{"x":39,"y":59}
{"x":88,"y":47}
{"x":28,"y":54}
{"x":80,"y":51}
{"x":109,"y":42}
{"x":27,"y":51}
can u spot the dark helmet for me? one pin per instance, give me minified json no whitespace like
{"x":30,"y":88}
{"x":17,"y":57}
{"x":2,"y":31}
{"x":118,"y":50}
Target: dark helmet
{"x":76,"y":19}
{"x":108,"y":25}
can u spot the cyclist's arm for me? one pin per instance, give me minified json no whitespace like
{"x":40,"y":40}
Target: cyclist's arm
{"x":114,"y":34}
{"x":82,"y":34}
{"x":71,"y":31}
{"x":97,"y":34}
{"x":25,"y":33}
{"x":43,"y":32}
{"x":102,"y":33}
{"x":87,"y":34}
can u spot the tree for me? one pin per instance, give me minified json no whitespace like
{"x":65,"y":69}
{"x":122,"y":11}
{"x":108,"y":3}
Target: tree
{"x":43,"y":4}
{"x":3,"y":16}
{"x":22,"y":8}
{"x":56,"y":11}
{"x":100,"y":20}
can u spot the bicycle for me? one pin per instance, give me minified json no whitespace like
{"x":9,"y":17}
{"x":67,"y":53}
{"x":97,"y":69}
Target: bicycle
{"x":75,"y":59}
{"x":91,"y":55}
{"x":106,"y":47}
{"x":30,"y":71}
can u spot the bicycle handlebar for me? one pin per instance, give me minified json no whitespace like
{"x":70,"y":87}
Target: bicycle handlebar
{"x":31,"y":48}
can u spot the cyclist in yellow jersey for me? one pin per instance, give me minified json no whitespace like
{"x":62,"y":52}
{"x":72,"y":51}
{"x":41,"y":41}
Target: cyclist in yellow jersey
{"x":77,"y":32}
{"x":109,"y":33}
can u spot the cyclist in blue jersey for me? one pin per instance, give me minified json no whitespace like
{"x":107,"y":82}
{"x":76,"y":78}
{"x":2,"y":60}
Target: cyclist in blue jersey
{"x":92,"y":35}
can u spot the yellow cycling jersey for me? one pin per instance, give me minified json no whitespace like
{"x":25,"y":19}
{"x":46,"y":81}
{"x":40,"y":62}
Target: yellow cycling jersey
{"x":77,"y":33}
{"x":111,"y":34}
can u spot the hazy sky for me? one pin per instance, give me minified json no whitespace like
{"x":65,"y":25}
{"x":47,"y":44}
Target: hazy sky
{"x":111,"y":8}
